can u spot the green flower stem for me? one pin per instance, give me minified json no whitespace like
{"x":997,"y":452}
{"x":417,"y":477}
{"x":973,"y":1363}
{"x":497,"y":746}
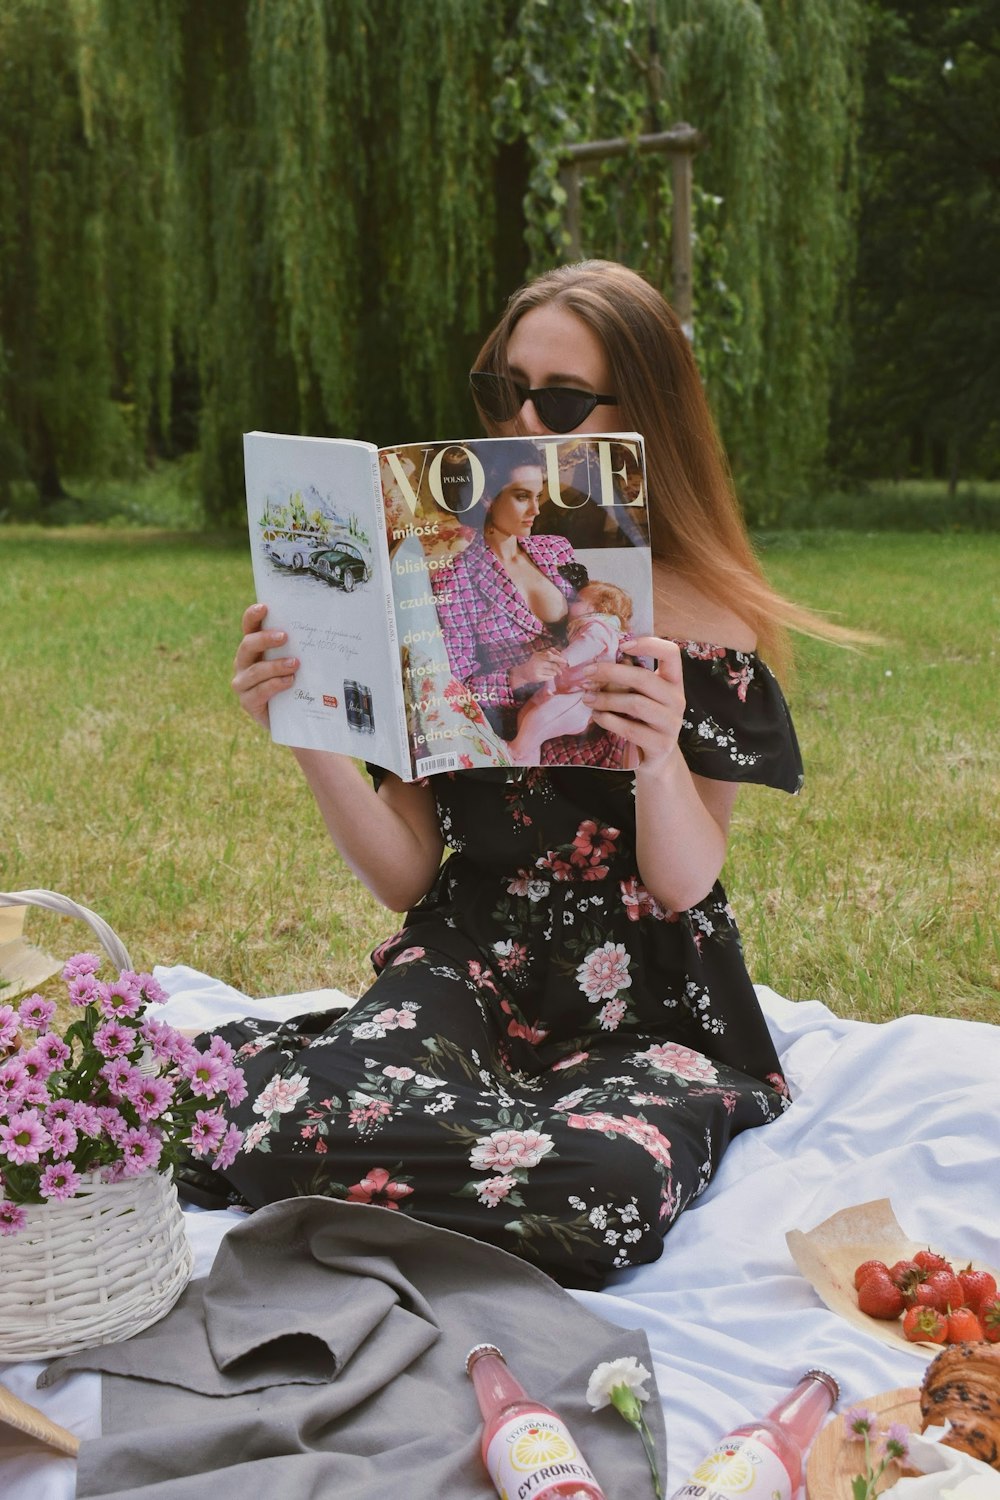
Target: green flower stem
{"x":647,"y":1443}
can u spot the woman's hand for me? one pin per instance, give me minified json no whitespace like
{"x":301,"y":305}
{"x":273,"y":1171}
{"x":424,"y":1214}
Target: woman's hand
{"x":540,"y":666}
{"x":643,"y":707}
{"x":256,"y":679}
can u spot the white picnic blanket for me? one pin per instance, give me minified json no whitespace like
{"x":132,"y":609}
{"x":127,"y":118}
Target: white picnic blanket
{"x":909,"y":1110}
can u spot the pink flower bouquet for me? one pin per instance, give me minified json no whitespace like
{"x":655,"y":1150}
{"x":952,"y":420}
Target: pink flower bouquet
{"x":118,"y":1093}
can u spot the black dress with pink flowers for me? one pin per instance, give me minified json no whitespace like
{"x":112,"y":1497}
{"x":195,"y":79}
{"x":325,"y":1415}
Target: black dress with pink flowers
{"x":548,"y":1059}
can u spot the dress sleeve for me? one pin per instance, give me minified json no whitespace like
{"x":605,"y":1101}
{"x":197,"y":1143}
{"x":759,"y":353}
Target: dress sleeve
{"x":737,"y":726}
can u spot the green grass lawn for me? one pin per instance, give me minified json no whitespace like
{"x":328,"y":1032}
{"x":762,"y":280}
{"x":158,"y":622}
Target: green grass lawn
{"x":131,"y":781}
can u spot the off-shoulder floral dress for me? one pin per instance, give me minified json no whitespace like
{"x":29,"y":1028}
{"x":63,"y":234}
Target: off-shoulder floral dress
{"x":548,"y":1059}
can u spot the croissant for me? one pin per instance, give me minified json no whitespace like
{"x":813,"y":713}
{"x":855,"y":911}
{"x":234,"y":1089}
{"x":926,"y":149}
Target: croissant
{"x":962,"y":1386}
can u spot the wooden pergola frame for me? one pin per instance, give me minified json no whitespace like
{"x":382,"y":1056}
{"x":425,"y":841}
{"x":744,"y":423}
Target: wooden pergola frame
{"x":680,"y":143}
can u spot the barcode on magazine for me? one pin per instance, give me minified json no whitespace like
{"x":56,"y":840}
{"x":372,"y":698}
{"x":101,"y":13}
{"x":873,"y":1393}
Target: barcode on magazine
{"x":431,"y":763}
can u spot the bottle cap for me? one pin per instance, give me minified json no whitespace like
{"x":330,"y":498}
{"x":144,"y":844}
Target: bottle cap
{"x":477,"y":1352}
{"x":828,"y":1379}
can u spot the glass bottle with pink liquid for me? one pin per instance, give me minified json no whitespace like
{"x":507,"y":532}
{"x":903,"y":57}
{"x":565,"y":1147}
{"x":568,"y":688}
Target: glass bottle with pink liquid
{"x":763,"y":1460}
{"x":528,"y":1451}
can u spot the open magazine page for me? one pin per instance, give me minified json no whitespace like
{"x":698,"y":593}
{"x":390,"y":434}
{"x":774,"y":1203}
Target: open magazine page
{"x":514,"y":564}
{"x":320,"y":564}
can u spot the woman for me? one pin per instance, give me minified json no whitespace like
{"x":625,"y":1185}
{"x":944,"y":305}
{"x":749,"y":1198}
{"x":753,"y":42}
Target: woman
{"x":504,"y":610}
{"x":563,"y":1037}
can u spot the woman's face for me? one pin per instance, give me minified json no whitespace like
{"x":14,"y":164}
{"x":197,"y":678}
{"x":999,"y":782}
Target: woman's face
{"x":552,"y":346}
{"x":515,"y":507}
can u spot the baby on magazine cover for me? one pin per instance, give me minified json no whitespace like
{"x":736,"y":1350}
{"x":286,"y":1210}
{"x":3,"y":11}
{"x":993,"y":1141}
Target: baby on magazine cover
{"x":599,"y":618}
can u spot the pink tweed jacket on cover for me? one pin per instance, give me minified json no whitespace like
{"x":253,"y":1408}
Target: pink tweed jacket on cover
{"x":488,"y":627}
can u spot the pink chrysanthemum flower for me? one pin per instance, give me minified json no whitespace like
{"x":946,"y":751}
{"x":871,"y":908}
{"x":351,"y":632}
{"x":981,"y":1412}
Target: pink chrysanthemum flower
{"x":119,"y":998}
{"x":113,"y":1040}
{"x":86,"y":1119}
{"x":150,"y":989}
{"x":24,"y":1137}
{"x":118,"y":1074}
{"x":59,"y":1182}
{"x":64,"y":1139}
{"x":54,"y":1048}
{"x":141,"y":1150}
{"x":80,"y":964}
{"x":34,"y":1092}
{"x":35,"y":1013}
{"x":113,"y":1124}
{"x":236,"y":1087}
{"x":8,"y":1025}
{"x":83,"y":990}
{"x":229,"y":1150}
{"x":205,"y":1073}
{"x":150,"y":1096}
{"x":13,"y":1081}
{"x":220,"y":1048}
{"x":37,"y":1063}
{"x":207,"y":1132}
{"x":12,"y":1217}
{"x":159,"y":1037}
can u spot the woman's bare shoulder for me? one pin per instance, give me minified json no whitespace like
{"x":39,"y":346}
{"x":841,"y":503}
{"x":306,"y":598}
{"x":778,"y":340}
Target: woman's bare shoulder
{"x":684,"y":613}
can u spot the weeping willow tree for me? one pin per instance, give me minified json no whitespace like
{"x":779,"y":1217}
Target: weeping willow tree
{"x":302,"y":214}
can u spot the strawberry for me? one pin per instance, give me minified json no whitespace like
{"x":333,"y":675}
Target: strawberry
{"x":879,"y":1297}
{"x":977,"y":1287}
{"x":924,"y":1325}
{"x":864,"y":1268}
{"x":964,"y":1327}
{"x":906,"y":1275}
{"x":929,"y":1260}
{"x":946,"y":1290}
{"x":989,"y":1316}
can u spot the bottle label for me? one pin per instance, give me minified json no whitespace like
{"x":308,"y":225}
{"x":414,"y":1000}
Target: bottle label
{"x":738,"y":1466}
{"x":533,"y":1452}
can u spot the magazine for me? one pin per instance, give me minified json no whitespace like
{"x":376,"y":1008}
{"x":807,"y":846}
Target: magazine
{"x":445,"y":599}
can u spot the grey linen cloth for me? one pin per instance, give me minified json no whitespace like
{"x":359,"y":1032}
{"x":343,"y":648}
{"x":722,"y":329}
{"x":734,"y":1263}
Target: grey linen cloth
{"x":324,"y":1356}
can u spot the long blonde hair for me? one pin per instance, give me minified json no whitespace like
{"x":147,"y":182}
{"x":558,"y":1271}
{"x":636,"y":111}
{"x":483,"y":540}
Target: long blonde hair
{"x":696,"y":523}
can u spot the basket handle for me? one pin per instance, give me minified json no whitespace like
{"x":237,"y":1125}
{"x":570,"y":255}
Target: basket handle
{"x":52,"y":901}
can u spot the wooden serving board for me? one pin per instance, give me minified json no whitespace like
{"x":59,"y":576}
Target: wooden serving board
{"x":29,"y":1420}
{"x":835,"y":1459}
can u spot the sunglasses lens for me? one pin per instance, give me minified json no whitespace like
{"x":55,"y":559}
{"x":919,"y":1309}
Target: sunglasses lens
{"x":562,"y":409}
{"x":495,"y":395}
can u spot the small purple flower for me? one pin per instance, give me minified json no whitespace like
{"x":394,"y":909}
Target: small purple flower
{"x":207,"y":1131}
{"x":236,"y":1087}
{"x":113,"y":1040}
{"x":60,"y":1181}
{"x":205,"y":1073}
{"x":859,"y":1422}
{"x":24,"y":1137}
{"x":182,"y":1049}
{"x":117,"y":1074}
{"x":64,"y":1139}
{"x":36,"y":1013}
{"x":86,"y":1119}
{"x":114,"y":1126}
{"x":220,"y":1048}
{"x":54,"y":1048}
{"x":13,"y":1081}
{"x":896,"y":1441}
{"x":8,"y":1025}
{"x":12,"y":1217}
{"x":37,"y":1063}
{"x":120,"y":998}
{"x":83,"y":990}
{"x":35,"y":1092}
{"x":141,"y":1150}
{"x":159,"y":1037}
{"x":80,"y":964}
{"x":229,"y":1150}
{"x":151,"y":990}
{"x":150,"y":1096}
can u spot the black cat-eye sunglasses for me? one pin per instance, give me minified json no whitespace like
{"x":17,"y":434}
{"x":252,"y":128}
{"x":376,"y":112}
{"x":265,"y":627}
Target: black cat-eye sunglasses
{"x":559,"y":407}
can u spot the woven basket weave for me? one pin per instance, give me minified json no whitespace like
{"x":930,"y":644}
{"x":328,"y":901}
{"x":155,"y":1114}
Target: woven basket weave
{"x":104,"y":1264}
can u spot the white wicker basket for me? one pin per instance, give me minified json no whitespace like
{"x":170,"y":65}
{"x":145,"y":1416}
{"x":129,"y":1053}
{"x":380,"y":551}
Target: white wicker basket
{"x":101,"y":1265}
